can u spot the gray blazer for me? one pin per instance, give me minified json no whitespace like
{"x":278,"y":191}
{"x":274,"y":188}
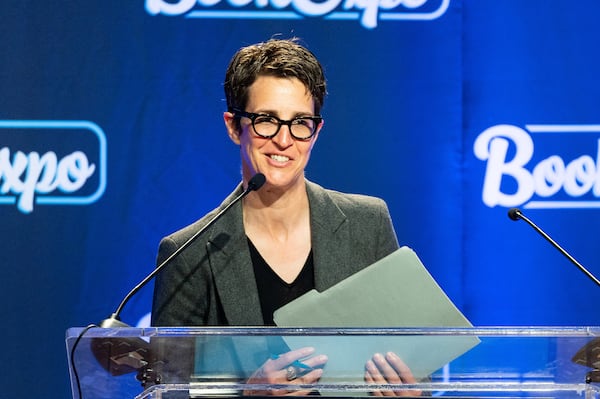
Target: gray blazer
{"x":212,"y":282}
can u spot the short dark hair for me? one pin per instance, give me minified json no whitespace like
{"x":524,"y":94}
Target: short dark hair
{"x":283,"y":58}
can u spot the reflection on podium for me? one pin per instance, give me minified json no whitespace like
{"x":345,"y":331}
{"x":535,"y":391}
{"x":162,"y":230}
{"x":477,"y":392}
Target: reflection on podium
{"x":190,"y":362}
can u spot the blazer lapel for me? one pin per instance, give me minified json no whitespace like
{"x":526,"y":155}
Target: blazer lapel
{"x":232,"y":269}
{"x":330,"y":238}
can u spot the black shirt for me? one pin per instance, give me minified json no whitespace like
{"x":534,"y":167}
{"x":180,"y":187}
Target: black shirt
{"x":273,"y":292}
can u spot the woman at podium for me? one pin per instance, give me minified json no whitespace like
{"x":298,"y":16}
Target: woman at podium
{"x":285,"y":238}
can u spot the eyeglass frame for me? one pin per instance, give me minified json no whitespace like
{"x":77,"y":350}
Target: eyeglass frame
{"x":252,"y":116}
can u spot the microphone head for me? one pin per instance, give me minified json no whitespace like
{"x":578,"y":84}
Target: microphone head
{"x":514,"y":214}
{"x":256,"y":182}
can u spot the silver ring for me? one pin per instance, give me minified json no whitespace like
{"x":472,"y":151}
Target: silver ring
{"x":291,"y":373}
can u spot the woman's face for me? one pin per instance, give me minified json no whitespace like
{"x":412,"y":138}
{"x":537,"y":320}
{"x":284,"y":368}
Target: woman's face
{"x":282,"y":158}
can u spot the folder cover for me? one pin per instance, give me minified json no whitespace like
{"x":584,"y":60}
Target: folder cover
{"x":396,"y":291}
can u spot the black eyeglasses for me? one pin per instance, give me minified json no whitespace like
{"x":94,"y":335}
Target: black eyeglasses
{"x":267,"y":126}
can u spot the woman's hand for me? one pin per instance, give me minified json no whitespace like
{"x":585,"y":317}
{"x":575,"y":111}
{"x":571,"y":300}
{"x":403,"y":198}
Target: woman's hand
{"x":294,"y":367}
{"x":389,"y":369}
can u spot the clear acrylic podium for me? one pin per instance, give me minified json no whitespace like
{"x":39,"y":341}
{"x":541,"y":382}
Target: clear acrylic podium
{"x":531,"y":362}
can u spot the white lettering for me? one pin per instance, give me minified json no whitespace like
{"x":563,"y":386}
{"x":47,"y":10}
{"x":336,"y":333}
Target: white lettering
{"x":31,"y":174}
{"x":413,"y":3}
{"x":73,"y":172}
{"x":209,"y":3}
{"x":240,"y":3}
{"x":491,"y":146}
{"x":549,"y":176}
{"x":279,"y":4}
{"x":580,"y":176}
{"x":312,"y":8}
{"x":154,"y":7}
{"x":370,"y":11}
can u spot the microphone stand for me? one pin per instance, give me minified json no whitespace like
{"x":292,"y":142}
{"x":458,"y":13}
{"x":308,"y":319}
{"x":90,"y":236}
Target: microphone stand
{"x":254,"y":184}
{"x":516,"y":214}
{"x":589,"y":355}
{"x":124,"y":355}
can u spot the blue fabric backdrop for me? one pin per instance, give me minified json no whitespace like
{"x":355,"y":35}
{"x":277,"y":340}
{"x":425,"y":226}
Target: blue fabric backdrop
{"x":111,"y":136}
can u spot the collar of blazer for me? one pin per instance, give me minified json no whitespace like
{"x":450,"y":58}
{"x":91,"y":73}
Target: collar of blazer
{"x":231,"y":266}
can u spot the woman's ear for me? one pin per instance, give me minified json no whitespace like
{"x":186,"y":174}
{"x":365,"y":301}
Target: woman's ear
{"x":233,"y":127}
{"x":316,"y":136}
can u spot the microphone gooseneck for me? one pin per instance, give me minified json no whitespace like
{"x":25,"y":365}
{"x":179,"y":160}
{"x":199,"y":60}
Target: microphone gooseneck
{"x":254,"y":184}
{"x":516,"y":214}
{"x":124,"y":355}
{"x":588,"y":355}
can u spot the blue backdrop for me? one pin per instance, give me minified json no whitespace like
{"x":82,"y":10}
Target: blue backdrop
{"x":111,"y":136}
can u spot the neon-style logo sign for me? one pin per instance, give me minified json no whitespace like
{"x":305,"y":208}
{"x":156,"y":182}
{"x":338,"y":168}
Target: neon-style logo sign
{"x":368,"y":12}
{"x":51,"y":163}
{"x":567,"y":179}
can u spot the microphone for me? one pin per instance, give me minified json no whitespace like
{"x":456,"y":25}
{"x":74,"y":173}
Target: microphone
{"x":516,"y":214}
{"x":255,"y":183}
{"x":121,"y":356}
{"x":589,"y":354}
